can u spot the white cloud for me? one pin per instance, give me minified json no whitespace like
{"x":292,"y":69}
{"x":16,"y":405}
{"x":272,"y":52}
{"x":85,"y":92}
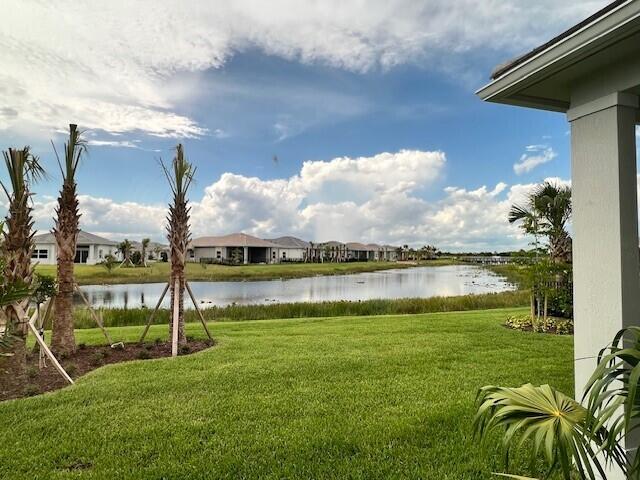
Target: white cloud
{"x":117,"y":65}
{"x":536,"y":155}
{"x":370,"y":199}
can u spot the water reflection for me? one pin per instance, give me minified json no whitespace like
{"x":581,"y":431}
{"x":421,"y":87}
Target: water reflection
{"x":402,"y":283}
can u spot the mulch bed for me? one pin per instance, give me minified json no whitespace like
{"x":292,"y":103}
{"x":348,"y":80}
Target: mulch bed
{"x":88,"y":358}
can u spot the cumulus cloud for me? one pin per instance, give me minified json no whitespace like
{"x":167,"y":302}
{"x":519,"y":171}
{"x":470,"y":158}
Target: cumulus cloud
{"x":114,"y":65}
{"x":535,"y":156}
{"x":370,"y":199}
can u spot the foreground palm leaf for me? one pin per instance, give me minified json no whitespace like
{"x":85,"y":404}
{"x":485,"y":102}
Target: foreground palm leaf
{"x":180,"y":177}
{"x":612,"y":392}
{"x":556,"y":424}
{"x":66,"y":231}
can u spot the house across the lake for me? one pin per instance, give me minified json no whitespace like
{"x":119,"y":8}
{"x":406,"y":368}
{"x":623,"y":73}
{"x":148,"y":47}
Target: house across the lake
{"x":234,"y":248}
{"x":243,"y":248}
{"x":91,"y":249}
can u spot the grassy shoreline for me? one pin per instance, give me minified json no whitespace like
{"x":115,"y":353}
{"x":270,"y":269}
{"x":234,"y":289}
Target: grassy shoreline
{"x":402,"y":306}
{"x":159,"y":272}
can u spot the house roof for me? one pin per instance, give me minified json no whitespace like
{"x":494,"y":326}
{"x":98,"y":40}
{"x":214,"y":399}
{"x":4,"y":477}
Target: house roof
{"x":331,"y":243}
{"x":511,"y":64}
{"x":289,"y":242}
{"x":233,"y":240}
{"x":83,"y":237}
{"x":594,"y":58}
{"x":358,"y":246}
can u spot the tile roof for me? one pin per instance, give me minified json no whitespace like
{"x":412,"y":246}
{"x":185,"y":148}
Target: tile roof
{"x":83,"y":237}
{"x":233,"y":240}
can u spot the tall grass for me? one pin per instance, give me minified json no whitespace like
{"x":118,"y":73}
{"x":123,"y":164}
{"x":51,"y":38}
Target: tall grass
{"x":122,"y":317}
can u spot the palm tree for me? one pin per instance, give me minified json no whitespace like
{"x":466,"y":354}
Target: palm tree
{"x":567,"y":434}
{"x":180,"y":177}
{"x":125,"y":248}
{"x":16,"y":249}
{"x":144,"y":245}
{"x":66,"y":231}
{"x":547,"y":212}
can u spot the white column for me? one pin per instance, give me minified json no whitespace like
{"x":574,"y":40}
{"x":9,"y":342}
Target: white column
{"x":605,"y":226}
{"x":246,"y":255}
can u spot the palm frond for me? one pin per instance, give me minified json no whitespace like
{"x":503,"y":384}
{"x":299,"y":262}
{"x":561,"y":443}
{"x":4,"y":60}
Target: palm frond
{"x":555,"y":423}
{"x":614,"y":388}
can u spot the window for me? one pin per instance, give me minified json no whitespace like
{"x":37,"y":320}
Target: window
{"x":218,"y":254}
{"x":40,"y":253}
{"x":273,"y":255}
{"x":284,"y":255}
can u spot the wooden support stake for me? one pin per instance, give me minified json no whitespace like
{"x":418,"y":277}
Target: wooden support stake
{"x":43,"y":346}
{"x":195,"y":304}
{"x":96,"y":318}
{"x":153,"y":314}
{"x":174,"y":322}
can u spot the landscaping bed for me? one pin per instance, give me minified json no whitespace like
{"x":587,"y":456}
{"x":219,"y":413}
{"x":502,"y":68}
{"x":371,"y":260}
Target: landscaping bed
{"x":88,"y":358}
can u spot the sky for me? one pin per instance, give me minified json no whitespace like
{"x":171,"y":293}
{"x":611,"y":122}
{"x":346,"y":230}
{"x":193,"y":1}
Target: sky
{"x":326,"y":120}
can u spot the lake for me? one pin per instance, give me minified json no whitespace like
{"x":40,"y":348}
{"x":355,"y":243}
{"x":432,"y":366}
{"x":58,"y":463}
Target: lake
{"x":398,"y":283}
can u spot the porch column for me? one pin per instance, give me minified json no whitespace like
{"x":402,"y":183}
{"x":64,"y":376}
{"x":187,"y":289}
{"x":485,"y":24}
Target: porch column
{"x":246,"y":255}
{"x":605,"y":226}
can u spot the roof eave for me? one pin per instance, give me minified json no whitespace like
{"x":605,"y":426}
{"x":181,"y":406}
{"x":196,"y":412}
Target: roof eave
{"x":604,"y":30}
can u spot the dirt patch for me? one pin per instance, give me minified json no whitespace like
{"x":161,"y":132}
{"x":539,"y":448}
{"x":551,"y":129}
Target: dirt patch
{"x":88,"y":358}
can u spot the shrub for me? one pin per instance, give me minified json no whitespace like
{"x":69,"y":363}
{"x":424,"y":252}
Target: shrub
{"x":143,"y":355}
{"x":98,"y":358}
{"x":31,"y":390}
{"x":560,"y":326}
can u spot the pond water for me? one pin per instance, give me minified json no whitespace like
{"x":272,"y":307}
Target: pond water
{"x":398,"y":283}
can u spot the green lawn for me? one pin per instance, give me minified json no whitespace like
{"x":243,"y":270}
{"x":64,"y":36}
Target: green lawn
{"x":350,"y":397}
{"x":159,"y":272}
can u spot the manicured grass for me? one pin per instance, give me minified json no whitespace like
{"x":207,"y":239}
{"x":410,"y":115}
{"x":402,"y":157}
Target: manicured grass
{"x":159,"y":272}
{"x":355,"y":397}
{"x":138,"y":316}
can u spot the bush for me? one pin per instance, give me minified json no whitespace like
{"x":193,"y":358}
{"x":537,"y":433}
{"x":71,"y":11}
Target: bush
{"x":31,"y":390}
{"x":98,"y":358}
{"x":560,"y":326}
{"x":143,"y":355}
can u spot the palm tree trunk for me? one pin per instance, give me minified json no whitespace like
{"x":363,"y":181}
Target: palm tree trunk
{"x":178,"y":274}
{"x":63,"y":340}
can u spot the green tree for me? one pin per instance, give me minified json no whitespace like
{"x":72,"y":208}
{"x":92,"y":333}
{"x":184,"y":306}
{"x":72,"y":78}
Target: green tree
{"x":144,"y":246}
{"x":65,"y":231}
{"x":16,"y":249}
{"x":546,"y":213}
{"x":180,"y":177}
{"x":125,"y":248}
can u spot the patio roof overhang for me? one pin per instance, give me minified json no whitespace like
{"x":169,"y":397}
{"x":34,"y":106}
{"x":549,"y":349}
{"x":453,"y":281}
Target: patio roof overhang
{"x":597,"y":57}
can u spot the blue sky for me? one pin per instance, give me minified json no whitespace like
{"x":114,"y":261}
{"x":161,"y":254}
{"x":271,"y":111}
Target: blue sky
{"x":377,"y":97}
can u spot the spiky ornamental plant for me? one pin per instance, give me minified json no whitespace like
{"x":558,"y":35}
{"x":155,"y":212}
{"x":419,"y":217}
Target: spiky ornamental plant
{"x":66,"y":231}
{"x":23,"y":169}
{"x":180,"y":177}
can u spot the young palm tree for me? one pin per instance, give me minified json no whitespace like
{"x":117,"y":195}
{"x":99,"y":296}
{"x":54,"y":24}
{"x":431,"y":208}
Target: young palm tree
{"x":547,"y":212}
{"x":125,"y":248}
{"x":144,"y":245}
{"x":180,"y":176}
{"x":16,"y":249}
{"x":65,"y":231}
